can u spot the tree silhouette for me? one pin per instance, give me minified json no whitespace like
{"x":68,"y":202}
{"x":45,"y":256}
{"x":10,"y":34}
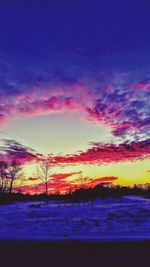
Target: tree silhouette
{"x":3,"y":168}
{"x":14,"y":171}
{"x":9,"y":172}
{"x":43,"y":172}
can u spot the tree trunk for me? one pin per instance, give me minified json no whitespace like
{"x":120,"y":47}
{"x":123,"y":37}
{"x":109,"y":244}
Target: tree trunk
{"x":46,"y":188}
{"x":11,"y":185}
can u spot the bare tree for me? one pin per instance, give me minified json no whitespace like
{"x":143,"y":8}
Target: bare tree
{"x":14,"y":172}
{"x":9,"y":172}
{"x":36,"y":189}
{"x":3,"y":176}
{"x":83,"y":180}
{"x":43,"y":172}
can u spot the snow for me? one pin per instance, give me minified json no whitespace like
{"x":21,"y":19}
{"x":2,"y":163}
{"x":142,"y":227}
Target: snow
{"x":110,"y":218}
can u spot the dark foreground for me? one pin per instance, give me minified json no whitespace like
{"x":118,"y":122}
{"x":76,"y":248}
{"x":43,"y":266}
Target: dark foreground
{"x":74,"y":253}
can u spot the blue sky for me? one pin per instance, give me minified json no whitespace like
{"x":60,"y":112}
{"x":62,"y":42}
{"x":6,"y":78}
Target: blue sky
{"x":75,"y":39}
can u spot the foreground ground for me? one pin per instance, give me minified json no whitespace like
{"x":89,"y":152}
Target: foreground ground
{"x":74,"y":253}
{"x":126,"y":218}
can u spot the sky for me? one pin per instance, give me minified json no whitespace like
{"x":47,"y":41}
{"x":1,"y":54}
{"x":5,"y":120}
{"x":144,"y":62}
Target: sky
{"x":75,"y":84}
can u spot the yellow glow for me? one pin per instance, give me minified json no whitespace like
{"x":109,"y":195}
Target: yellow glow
{"x":128,"y":173}
{"x":67,"y":134}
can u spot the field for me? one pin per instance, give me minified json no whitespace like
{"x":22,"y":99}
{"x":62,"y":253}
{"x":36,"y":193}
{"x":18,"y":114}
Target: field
{"x":126,"y":218}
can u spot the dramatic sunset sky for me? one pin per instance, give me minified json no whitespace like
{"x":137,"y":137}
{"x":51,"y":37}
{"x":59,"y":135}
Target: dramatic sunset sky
{"x":75,"y":83}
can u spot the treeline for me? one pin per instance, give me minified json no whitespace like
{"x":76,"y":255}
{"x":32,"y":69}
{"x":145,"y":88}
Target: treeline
{"x":100,"y":191}
{"x":82,"y":195}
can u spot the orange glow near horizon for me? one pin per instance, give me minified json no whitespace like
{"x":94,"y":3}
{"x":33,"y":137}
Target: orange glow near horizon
{"x":127,"y":173}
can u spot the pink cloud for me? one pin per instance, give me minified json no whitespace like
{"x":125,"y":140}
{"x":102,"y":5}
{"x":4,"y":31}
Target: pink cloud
{"x":144,"y":85}
{"x":108,"y":153}
{"x":62,"y":176}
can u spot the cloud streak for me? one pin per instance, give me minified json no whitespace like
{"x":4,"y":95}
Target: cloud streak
{"x":14,"y":151}
{"x":108,"y":153}
{"x":97,"y":154}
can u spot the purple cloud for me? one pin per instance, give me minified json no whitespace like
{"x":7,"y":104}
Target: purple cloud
{"x":12,"y":150}
{"x":118,"y":101}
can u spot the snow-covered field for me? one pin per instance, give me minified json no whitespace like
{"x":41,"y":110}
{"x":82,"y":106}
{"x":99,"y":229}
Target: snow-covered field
{"x":123,"y":218}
